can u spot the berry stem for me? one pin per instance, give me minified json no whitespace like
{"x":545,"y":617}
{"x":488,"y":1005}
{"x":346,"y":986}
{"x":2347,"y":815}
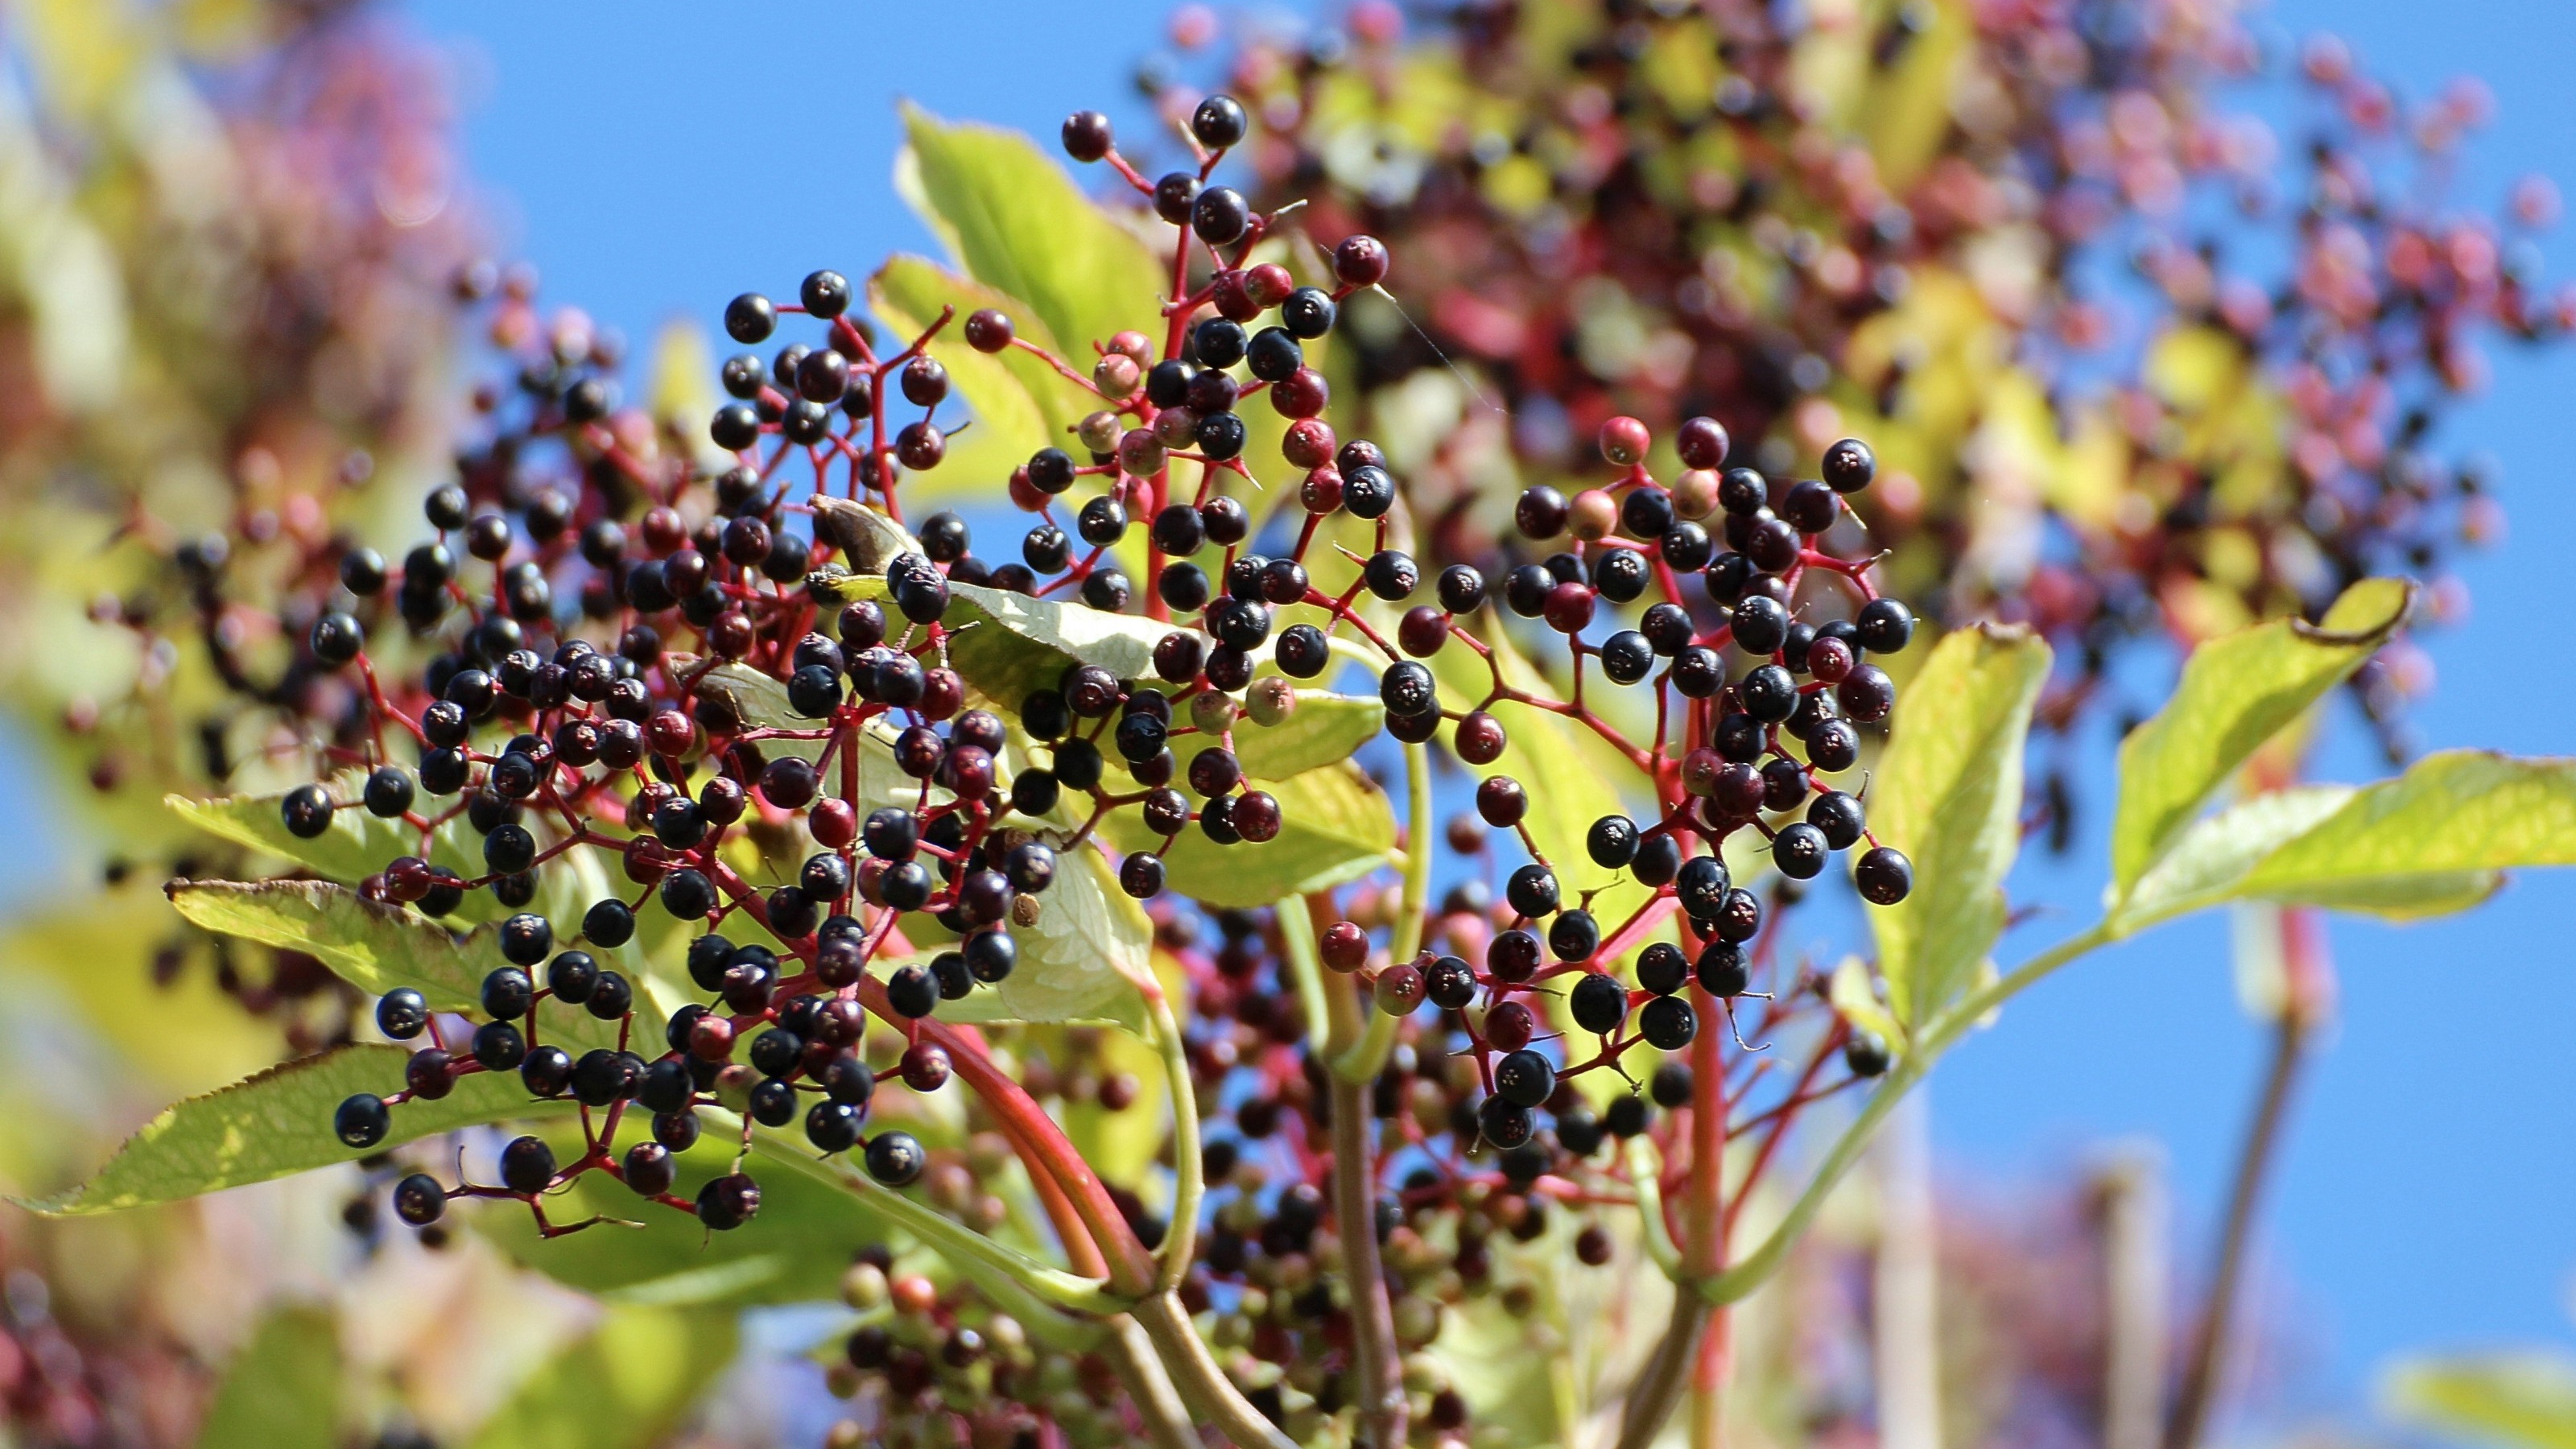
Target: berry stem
{"x":1377,"y":1363}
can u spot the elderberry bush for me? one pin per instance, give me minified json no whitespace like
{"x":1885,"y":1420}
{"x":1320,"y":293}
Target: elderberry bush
{"x":1928,"y":225}
{"x":711,"y":822}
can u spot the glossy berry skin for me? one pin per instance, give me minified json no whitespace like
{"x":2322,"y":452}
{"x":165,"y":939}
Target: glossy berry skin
{"x":1086,"y":136}
{"x":1662,"y":969}
{"x":1219,"y":122}
{"x":1849,"y":466}
{"x":1884,"y":626}
{"x":895,"y":1159}
{"x":726,"y":1203}
{"x":1599,"y":1003}
{"x":1884,"y":876}
{"x":527,"y":1165}
{"x":1667,"y":1023}
{"x":361,"y":1121}
{"x":402,"y":1013}
{"x":419,"y":1200}
{"x":1524,"y":1078}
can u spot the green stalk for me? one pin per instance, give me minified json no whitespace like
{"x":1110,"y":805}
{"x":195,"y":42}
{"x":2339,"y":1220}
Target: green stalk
{"x":1180,"y":1241}
{"x":1212,"y":1396}
{"x":1131,"y":1356}
{"x":1021,"y":1286}
{"x":1361,"y":1060}
{"x":1645,"y":1169}
{"x":1756,"y":1267}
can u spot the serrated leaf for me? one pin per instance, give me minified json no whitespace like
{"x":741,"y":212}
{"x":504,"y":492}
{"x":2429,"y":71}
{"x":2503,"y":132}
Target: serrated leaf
{"x":2461,"y":811}
{"x":2204,"y":867}
{"x":1542,"y":744}
{"x":1325,"y":729}
{"x":791,"y":1252}
{"x":356,"y":846}
{"x":1017,"y":223}
{"x":1948,"y":794}
{"x":278,"y":1123}
{"x":624,"y":1386}
{"x":1007,"y":646}
{"x":2525,"y":1399}
{"x":1336,"y":826}
{"x":2237,"y":692}
{"x":1019,"y":403}
{"x":374,"y":948}
{"x":283,"y":1388}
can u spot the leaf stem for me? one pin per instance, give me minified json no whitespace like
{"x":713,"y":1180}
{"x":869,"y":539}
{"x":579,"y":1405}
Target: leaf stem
{"x":1212,"y":1397}
{"x":1140,"y":1372}
{"x":1645,"y":1169}
{"x":1189,"y":1188}
{"x":1362,"y":1059}
{"x":1750,"y":1272}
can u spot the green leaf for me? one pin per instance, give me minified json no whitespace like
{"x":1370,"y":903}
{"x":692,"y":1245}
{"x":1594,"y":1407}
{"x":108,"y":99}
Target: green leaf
{"x":791,"y":1252}
{"x":1001,"y":391}
{"x":1543,"y":745}
{"x":1948,"y":794}
{"x":2451,"y":814}
{"x":2237,"y":692}
{"x":624,"y":1386}
{"x":1007,"y":646}
{"x":1325,"y":728}
{"x":1017,"y":223}
{"x":278,"y":1123}
{"x":2526,"y":1398}
{"x":283,"y":1388}
{"x":356,"y":846}
{"x":1336,"y":826}
{"x":374,"y":948}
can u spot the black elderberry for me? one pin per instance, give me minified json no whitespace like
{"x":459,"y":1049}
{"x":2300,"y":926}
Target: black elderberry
{"x":1219,"y":122}
{"x":527,"y":1165}
{"x":307,"y":811}
{"x":1686,"y":547}
{"x":1761,"y":625}
{"x":1770,"y":693}
{"x":1407,"y":688}
{"x":419,"y":1200}
{"x":1612,"y":841}
{"x":1219,"y":215}
{"x":1667,"y":1023}
{"x":1698,"y":672}
{"x":1308,"y":313}
{"x":546,"y":1071}
{"x":896,"y":1159}
{"x":1723,"y":970}
{"x":1884,"y":626}
{"x":1620,"y":575}
{"x":1368,"y":492}
{"x":1574,"y":935}
{"x":1626,"y":657}
{"x":1449,"y":983}
{"x":1884,"y":876}
{"x":1849,"y":466}
{"x":1392,"y":576}
{"x":726,"y":1203}
{"x":1504,"y":1123}
{"x":1659,"y":859}
{"x":1531,"y":890}
{"x":361,"y":1121}
{"x":402,"y":1013}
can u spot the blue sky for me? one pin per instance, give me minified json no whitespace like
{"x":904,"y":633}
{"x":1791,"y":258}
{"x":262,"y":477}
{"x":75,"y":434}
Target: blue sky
{"x":656,"y":158}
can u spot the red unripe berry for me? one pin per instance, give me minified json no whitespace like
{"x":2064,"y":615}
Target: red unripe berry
{"x":1322,"y":490}
{"x":1480,"y":739}
{"x":1302,"y":394}
{"x":669,"y":733}
{"x":1510,"y":1026}
{"x":711,"y":1038}
{"x":1268,"y":285}
{"x":988,"y":330}
{"x":1422,"y":630}
{"x":1624,"y":441}
{"x":1024,"y":494}
{"x":942,"y":691}
{"x":1344,"y":946}
{"x":1233,"y":297}
{"x":1830,"y":660}
{"x":1133,"y":344}
{"x":1699,"y":770}
{"x":834,"y":824}
{"x":1309,"y":443}
{"x":1360,"y":261}
{"x":1568,"y":608}
{"x":913,"y":1293}
{"x":1703,"y":443}
{"x":646,"y":861}
{"x":663,"y":530}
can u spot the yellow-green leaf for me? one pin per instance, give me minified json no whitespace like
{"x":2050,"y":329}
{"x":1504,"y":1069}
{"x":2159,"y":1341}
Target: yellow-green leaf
{"x":283,"y":1388}
{"x":2458,"y":812}
{"x":1018,"y":224}
{"x":2526,"y":1399}
{"x":792,"y":1251}
{"x":1010,"y":422}
{"x":2237,"y":692}
{"x":1948,"y":794}
{"x":356,"y":846}
{"x":374,"y":948}
{"x":1336,"y":826}
{"x":624,"y":1386}
{"x":1325,"y":728}
{"x":278,"y":1123}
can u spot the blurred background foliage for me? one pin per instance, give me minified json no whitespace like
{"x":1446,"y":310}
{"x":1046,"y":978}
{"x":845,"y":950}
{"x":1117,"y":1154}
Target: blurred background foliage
{"x":2140,"y":369}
